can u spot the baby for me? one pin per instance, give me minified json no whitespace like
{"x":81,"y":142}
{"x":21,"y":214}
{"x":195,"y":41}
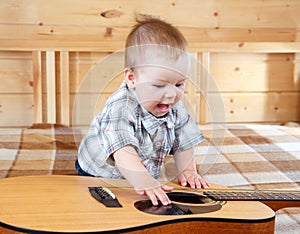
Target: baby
{"x":145,"y":120}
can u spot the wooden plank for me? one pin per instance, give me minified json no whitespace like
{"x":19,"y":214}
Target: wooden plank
{"x":248,"y":47}
{"x":193,"y":34}
{"x":106,"y":24}
{"x":37,"y":86}
{"x":105,"y":81}
{"x":111,"y":46}
{"x":64,"y":88}
{"x":51,"y":89}
{"x":80,"y":63}
{"x":204,"y":82}
{"x":94,"y":76}
{"x":297,"y":70}
{"x":16,"y":110}
{"x":296,"y":79}
{"x":16,"y":72}
{"x":264,"y":72}
{"x":86,"y":106}
{"x":191,"y":98}
{"x":220,"y":13}
{"x":259,"y":107}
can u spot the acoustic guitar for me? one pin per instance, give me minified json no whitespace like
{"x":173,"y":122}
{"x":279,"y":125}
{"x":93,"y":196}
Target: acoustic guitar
{"x":72,"y":204}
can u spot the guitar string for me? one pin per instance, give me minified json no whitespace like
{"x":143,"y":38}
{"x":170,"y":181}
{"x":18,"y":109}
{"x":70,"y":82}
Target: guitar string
{"x":223,"y":190}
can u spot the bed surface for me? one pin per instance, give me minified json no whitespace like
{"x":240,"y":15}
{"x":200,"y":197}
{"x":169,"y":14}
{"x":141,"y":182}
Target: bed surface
{"x":239,"y":156}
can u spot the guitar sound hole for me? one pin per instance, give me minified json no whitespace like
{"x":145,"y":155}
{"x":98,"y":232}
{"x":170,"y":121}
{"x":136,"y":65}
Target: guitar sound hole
{"x":191,"y":198}
{"x":187,"y":203}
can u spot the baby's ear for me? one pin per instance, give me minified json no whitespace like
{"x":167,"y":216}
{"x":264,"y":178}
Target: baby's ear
{"x":129,"y":77}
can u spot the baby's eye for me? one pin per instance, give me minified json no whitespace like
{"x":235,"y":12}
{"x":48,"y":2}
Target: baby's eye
{"x":179,"y":85}
{"x":159,"y":86}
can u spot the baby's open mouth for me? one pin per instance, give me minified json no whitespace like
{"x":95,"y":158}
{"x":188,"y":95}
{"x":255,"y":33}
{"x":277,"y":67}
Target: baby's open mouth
{"x":163,"y":107}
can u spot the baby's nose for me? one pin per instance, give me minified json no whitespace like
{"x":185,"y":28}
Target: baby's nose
{"x":171,"y":92}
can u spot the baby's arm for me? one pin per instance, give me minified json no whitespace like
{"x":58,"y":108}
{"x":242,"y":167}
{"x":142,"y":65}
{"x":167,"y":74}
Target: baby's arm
{"x":185,"y":162}
{"x":130,"y":166}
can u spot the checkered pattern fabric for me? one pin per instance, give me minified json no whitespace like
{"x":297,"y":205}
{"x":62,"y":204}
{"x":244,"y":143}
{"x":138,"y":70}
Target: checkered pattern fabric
{"x":40,"y":150}
{"x":239,"y":156}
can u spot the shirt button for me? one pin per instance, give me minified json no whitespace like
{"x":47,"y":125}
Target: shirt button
{"x":158,"y":144}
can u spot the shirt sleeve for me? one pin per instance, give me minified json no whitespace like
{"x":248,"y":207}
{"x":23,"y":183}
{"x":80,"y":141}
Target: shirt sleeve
{"x":187,"y":133}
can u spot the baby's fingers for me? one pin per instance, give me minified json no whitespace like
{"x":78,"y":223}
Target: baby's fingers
{"x":158,"y":194}
{"x":182,"y":180}
{"x":167,"y":188}
{"x":140,"y":191}
{"x":152,"y":197}
{"x":201,"y":182}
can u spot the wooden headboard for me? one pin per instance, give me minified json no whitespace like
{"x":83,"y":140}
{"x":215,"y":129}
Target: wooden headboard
{"x":246,"y":54}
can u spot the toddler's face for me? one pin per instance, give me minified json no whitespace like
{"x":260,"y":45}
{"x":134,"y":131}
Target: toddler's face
{"x":157,"y":88}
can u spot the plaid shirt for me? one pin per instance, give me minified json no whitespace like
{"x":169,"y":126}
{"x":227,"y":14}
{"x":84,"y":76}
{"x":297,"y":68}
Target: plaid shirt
{"x":123,"y":121}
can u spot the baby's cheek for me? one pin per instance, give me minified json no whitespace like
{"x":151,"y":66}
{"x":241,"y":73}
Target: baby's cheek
{"x":178,"y":97}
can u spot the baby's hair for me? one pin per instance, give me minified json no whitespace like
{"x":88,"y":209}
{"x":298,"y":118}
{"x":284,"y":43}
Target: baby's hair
{"x":151,"y":30}
{"x":153,"y":41}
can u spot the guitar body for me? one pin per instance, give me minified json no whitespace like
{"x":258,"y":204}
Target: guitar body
{"x":63,"y":204}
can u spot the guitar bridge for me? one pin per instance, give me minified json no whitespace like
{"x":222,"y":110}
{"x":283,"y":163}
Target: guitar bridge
{"x":105,"y":196}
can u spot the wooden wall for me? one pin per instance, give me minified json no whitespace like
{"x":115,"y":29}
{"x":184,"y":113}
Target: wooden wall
{"x":59,"y":60}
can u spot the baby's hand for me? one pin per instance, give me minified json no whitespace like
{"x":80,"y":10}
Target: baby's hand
{"x":193,"y":179}
{"x":157,"y":193}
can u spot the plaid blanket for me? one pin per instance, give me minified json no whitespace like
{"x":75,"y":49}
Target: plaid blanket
{"x":239,"y":156}
{"x":39,"y":150}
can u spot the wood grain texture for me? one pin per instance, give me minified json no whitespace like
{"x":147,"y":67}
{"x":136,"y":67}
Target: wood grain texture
{"x":64,"y":79}
{"x":103,"y":26}
{"x":37,"y":86}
